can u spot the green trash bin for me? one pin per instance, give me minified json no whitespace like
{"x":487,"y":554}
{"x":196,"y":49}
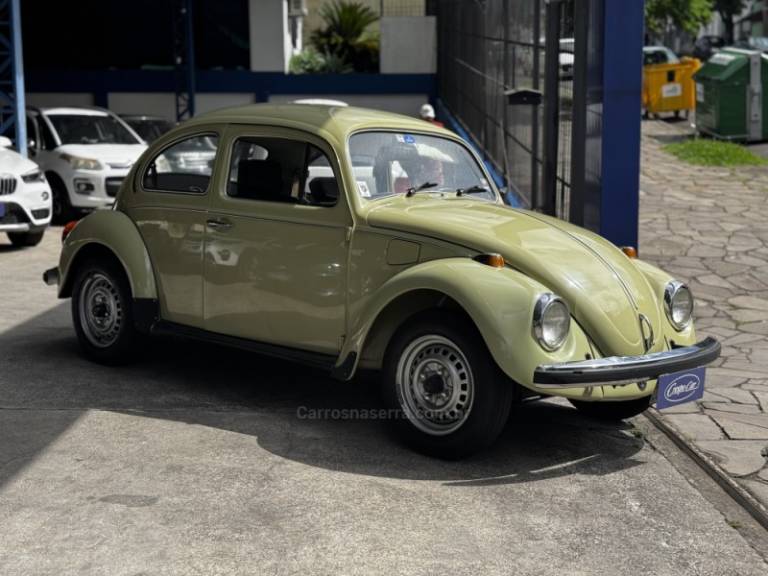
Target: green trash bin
{"x":729,"y":96}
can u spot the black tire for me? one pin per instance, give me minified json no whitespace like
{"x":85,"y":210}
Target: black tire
{"x":106,"y":280}
{"x":25,"y":238}
{"x":613,"y":411}
{"x":62,"y":211}
{"x":490,"y":392}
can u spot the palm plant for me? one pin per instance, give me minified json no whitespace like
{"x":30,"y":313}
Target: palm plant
{"x":344,"y":34}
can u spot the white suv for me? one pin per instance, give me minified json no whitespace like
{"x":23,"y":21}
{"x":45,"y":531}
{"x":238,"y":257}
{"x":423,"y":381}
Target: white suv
{"x":25,"y":198}
{"x":85,"y":154}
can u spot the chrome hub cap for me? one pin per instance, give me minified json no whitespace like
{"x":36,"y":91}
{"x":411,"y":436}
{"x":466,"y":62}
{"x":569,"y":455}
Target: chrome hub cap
{"x":101,"y":311}
{"x":435,"y":386}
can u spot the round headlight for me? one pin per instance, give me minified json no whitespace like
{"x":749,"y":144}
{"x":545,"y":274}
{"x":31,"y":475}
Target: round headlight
{"x":551,"y":321}
{"x":678,"y":303}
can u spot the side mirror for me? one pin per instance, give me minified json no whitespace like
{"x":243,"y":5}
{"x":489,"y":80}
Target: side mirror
{"x":5,"y":142}
{"x":31,"y":147}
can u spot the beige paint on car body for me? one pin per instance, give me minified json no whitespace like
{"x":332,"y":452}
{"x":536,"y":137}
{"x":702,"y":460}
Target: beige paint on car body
{"x":338,"y":280}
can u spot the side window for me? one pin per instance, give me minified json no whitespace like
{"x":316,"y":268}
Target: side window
{"x":185,"y":166}
{"x":49,"y":142}
{"x":281,"y":170}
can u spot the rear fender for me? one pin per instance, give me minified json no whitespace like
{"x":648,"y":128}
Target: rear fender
{"x":116,"y":232}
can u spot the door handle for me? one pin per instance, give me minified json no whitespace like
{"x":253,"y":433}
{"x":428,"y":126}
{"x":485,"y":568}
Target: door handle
{"x":219,"y":224}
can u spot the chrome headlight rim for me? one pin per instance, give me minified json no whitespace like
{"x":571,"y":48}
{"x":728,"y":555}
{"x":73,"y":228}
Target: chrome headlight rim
{"x":544,"y":303}
{"x":671,"y":291}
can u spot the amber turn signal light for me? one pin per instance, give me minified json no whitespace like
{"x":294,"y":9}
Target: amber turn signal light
{"x":68,"y":227}
{"x":492,"y":260}
{"x":630,"y":251}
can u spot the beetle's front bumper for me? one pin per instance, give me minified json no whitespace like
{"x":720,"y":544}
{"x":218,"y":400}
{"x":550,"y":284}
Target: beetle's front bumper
{"x":625,"y":369}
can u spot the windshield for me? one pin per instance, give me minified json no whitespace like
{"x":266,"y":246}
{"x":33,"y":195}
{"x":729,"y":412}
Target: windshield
{"x":388,"y":163}
{"x":150,"y":130}
{"x":90,"y":129}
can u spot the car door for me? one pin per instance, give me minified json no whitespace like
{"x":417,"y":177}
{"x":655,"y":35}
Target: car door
{"x":169,"y":206}
{"x":276,"y":241}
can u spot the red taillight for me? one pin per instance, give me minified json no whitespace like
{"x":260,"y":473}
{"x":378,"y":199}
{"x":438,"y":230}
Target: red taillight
{"x":67,"y":229}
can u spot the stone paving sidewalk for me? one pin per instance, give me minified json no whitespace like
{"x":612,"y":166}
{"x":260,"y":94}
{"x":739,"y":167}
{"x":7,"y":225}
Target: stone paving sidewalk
{"x":709,"y":227}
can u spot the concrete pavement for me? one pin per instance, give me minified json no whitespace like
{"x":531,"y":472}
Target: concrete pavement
{"x":200,"y":460}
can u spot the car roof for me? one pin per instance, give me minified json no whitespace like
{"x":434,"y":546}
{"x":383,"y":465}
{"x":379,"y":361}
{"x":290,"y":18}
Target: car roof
{"x":144,"y":117}
{"x":339,"y":121}
{"x":53,"y":111}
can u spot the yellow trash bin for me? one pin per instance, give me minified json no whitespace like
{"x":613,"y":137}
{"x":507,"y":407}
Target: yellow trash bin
{"x":670,"y":87}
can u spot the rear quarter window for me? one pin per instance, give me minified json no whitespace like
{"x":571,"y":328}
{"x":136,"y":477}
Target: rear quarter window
{"x":185,"y":166}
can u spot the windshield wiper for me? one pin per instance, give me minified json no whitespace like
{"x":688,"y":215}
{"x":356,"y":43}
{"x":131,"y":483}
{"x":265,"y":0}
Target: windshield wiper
{"x":476,"y":189}
{"x":426,"y":186}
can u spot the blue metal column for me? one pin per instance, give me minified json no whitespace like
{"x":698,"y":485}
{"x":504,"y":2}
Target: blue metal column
{"x":622,"y":87}
{"x":12,"y":73}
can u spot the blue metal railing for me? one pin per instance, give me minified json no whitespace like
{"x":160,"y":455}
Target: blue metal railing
{"x":12,"y":115}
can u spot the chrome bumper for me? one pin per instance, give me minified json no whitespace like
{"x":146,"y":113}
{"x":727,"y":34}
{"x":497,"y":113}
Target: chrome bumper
{"x":618,"y":370}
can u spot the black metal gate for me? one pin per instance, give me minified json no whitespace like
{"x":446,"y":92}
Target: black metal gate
{"x":495,"y":58}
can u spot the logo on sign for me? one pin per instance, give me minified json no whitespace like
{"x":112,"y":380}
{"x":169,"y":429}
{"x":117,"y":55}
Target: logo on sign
{"x":682,"y":388}
{"x":672,"y":90}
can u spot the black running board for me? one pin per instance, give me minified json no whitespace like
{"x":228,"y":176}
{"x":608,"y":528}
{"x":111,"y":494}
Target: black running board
{"x":313,"y":359}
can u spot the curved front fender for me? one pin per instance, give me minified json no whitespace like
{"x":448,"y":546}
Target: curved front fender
{"x":116,"y":232}
{"x":500,"y":301}
{"x":658,"y":280}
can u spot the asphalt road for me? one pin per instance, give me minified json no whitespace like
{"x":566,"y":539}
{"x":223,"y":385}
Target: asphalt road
{"x":201,"y":460}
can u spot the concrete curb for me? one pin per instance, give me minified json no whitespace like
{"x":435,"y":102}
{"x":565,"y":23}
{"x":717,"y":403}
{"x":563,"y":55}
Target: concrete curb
{"x":740,"y":494}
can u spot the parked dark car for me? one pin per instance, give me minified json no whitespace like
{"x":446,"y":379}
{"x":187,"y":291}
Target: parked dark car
{"x":706,"y":46}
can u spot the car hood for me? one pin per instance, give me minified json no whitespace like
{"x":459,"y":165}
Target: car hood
{"x":605,"y":291}
{"x":122,"y":155}
{"x":14,"y":163}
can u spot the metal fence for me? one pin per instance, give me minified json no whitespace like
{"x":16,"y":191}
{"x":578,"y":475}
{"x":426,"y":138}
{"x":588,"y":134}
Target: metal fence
{"x":484,"y":50}
{"x":489,"y":49}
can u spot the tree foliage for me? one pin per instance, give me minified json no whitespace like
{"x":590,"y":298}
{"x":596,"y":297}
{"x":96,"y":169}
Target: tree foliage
{"x":687,"y":15}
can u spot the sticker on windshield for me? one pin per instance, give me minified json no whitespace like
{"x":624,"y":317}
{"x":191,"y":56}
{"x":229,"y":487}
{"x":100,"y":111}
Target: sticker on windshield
{"x":405,"y":138}
{"x":362,"y":186}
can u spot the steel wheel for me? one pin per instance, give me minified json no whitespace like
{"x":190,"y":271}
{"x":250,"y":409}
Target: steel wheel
{"x":101,"y":310}
{"x":435,"y":385}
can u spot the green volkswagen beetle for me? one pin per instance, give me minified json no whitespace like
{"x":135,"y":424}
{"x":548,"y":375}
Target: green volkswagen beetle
{"x":351,"y":239}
